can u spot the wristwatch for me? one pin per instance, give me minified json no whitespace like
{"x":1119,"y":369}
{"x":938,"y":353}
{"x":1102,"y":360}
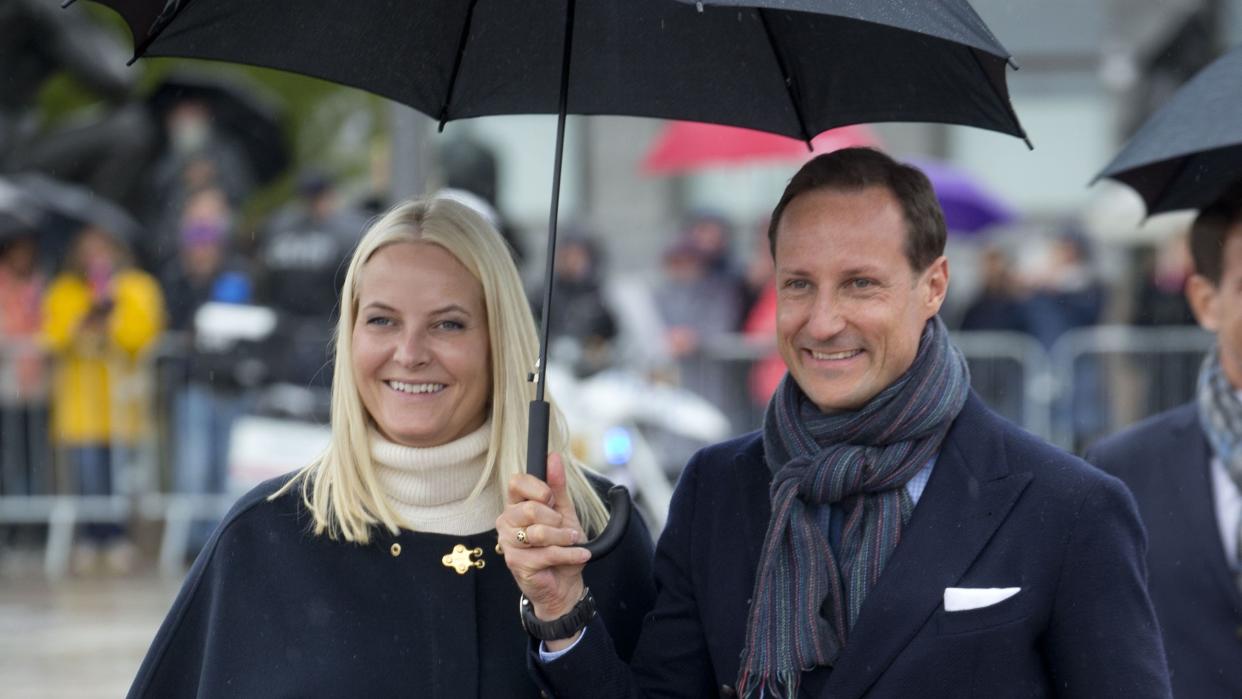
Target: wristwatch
{"x":566,"y":626}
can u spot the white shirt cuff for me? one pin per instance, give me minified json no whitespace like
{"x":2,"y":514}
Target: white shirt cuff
{"x":546,"y":656}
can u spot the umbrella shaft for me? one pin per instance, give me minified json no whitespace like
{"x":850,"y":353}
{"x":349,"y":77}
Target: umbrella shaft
{"x":550,"y":270}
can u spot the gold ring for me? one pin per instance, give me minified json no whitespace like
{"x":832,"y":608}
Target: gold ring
{"x":521,"y":536}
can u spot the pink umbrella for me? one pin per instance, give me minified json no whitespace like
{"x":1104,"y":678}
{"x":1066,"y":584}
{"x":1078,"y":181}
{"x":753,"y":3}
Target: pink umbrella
{"x":684,"y":146}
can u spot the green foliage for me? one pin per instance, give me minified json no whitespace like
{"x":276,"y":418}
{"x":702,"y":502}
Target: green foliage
{"x":325,"y":125}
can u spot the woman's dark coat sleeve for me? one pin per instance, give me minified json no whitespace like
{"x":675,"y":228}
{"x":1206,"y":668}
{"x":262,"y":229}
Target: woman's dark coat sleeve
{"x":177,"y":657}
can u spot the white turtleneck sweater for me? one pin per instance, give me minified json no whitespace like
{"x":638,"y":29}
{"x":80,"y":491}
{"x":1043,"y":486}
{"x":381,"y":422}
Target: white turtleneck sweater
{"x":428,"y":487}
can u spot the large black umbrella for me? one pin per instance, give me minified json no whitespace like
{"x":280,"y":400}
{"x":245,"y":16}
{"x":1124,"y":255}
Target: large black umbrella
{"x":794,"y":67}
{"x":1187,"y":153}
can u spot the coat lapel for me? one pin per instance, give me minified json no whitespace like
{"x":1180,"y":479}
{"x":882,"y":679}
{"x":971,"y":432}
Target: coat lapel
{"x":970,"y":494}
{"x":1197,"y":501}
{"x":755,"y":481}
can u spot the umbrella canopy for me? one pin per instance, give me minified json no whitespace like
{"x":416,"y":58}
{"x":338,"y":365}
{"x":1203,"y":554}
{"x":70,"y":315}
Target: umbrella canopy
{"x":66,"y":208}
{"x":1187,"y":153}
{"x":243,"y":111}
{"x":757,"y":67}
{"x":685,"y":146}
{"x":968,"y":205}
{"x":792,"y":67}
{"x":54,"y":212}
{"x":13,"y":225}
{"x":19,"y":214}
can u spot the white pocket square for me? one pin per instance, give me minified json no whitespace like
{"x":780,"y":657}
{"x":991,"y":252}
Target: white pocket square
{"x":961,"y":599}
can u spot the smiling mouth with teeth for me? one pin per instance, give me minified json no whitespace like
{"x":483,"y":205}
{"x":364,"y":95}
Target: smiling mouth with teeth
{"x":830,"y":356}
{"x":415,"y":387}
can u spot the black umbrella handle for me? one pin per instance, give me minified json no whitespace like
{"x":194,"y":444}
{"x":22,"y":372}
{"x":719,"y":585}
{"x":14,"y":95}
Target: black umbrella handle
{"x":537,"y":466}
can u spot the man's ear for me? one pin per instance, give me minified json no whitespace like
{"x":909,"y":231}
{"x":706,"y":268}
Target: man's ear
{"x":935,"y":285}
{"x":1201,"y":293}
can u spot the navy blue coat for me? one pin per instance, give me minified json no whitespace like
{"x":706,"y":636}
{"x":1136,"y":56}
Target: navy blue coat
{"x":1002,"y":509}
{"x":1166,"y":461}
{"x":270,"y":610}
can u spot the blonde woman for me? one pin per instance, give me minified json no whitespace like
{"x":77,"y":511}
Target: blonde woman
{"x":374,"y":571}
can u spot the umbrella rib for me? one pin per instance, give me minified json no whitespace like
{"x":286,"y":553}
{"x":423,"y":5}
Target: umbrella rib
{"x":461,"y":50}
{"x":974,"y":53}
{"x":790,"y":87}
{"x":172,"y":8}
{"x":1154,"y":207}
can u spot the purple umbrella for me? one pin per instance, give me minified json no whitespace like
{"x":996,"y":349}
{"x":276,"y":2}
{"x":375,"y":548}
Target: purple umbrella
{"x":968,"y":206}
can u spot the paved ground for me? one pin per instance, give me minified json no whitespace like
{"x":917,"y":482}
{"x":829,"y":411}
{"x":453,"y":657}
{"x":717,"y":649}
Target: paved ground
{"x":80,"y":638}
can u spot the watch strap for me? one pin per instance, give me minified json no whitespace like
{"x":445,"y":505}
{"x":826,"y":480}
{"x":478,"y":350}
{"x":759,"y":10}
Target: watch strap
{"x":565,"y":626}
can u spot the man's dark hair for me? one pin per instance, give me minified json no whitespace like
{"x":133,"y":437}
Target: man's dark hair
{"x":852,"y":169}
{"x":1210,"y":230}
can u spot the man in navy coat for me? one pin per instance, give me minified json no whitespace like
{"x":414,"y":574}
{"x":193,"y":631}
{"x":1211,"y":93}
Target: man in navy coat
{"x":1183,"y":468}
{"x":885,"y":534}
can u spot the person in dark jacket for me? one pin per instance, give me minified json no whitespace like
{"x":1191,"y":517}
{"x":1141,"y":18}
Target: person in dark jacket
{"x":214,"y":381}
{"x":1160,"y":301}
{"x":582,"y":325}
{"x":302,"y":255}
{"x":885,"y":534}
{"x":1184,"y":467}
{"x":374,"y":572}
{"x":997,"y":306}
{"x":1063,"y":295}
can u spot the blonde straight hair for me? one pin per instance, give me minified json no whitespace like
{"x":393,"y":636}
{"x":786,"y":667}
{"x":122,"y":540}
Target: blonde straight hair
{"x":340,"y":488}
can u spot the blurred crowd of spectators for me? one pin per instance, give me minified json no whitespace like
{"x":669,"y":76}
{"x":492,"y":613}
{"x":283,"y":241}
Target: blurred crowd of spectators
{"x":716,"y":300}
{"x":117,"y":230}
{"x":118,"y":225}
{"x":79,"y":330}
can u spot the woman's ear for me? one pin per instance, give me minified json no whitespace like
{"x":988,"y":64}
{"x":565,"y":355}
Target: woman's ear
{"x":1202,"y":295}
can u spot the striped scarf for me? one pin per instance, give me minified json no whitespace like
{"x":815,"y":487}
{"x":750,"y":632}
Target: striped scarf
{"x":1220,"y":415}
{"x":807,"y":596}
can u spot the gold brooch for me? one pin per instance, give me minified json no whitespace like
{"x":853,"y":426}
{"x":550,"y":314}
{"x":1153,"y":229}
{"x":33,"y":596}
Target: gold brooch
{"x":461,"y":559}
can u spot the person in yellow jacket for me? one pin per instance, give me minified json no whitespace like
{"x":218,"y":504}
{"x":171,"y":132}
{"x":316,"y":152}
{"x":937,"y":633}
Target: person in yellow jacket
{"x":101,"y":315}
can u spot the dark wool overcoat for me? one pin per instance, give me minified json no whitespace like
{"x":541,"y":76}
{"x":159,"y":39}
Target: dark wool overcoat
{"x":1002,"y":509}
{"x":1166,"y":461}
{"x":269,"y":610}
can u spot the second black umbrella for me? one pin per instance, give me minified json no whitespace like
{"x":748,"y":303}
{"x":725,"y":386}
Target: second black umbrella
{"x":1187,"y":153}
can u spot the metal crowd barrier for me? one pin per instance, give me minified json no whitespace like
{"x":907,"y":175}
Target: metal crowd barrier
{"x":139,"y":469}
{"x":1011,"y":371}
{"x":1092,"y":382}
{"x":1109,"y":376}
